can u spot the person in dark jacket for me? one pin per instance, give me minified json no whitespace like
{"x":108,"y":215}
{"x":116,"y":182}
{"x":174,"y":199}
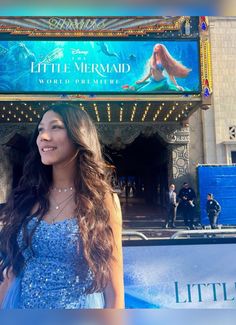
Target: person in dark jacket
{"x":213,"y":209}
{"x":186,"y":205}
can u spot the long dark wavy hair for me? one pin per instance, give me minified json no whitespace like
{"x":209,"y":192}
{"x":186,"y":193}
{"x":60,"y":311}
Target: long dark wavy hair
{"x":91,"y":186}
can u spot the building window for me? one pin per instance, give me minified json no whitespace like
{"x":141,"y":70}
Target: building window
{"x":233,"y":157}
{"x":232,"y":132}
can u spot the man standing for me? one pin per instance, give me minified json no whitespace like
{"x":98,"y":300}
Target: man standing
{"x":171,"y":206}
{"x":213,"y":209}
{"x":187,"y":195}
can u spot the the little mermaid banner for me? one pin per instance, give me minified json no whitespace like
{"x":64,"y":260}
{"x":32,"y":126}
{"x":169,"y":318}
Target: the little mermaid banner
{"x":101,"y":66}
{"x":180,"y":276}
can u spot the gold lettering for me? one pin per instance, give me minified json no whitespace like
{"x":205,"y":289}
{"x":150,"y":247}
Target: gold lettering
{"x":86,"y":23}
{"x":53,"y":23}
{"x":100,"y":25}
{"x":78,"y":24}
{"x":70,"y":23}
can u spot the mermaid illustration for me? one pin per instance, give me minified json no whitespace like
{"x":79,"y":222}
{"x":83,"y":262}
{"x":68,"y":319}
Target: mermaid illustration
{"x":162,"y":71}
{"x":14,"y":66}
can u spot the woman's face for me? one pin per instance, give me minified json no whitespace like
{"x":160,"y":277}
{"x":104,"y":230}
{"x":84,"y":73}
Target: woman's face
{"x":54,"y":145}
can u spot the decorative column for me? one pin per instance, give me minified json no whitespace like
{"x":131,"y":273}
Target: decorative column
{"x":180,"y":158}
{"x":178,"y":139}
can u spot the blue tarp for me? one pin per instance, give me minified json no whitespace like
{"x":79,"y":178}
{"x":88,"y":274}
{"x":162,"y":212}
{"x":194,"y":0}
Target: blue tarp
{"x":221,"y":181}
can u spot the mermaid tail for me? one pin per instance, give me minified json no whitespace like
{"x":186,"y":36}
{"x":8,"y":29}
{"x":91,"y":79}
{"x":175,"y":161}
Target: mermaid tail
{"x":152,"y":86}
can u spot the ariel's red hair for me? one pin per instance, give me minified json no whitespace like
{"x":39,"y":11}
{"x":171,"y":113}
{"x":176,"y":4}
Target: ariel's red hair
{"x":172,"y":66}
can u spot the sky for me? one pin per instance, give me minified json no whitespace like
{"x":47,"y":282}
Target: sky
{"x":118,"y":8}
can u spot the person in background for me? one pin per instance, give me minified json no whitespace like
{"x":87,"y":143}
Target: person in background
{"x":213,"y":209}
{"x":186,"y":205}
{"x":171,"y":207}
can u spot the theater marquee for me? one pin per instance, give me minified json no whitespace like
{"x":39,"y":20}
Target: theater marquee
{"x":99,"y":66}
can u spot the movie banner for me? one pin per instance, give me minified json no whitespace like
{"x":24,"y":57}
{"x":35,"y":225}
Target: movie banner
{"x":100,"y":66}
{"x":180,"y":276}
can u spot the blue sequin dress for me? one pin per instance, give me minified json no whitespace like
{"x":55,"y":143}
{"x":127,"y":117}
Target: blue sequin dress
{"x":55,"y":274}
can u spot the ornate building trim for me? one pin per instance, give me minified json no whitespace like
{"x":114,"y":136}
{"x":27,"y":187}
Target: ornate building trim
{"x":205,"y":59}
{"x":10,"y":130}
{"x":180,"y":161}
{"x":92,"y":26}
{"x":120,"y":135}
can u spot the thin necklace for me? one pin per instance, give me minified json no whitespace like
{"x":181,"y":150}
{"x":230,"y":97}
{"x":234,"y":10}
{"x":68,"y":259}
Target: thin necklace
{"x":62,"y":189}
{"x":58,"y":204}
{"x":55,"y":217}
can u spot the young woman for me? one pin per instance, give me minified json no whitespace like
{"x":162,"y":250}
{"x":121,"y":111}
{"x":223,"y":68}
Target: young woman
{"x":162,"y":70}
{"x":60,"y":240}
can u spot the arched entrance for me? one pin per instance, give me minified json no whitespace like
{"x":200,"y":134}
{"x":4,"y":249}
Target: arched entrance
{"x":142,"y":175}
{"x":151,"y":155}
{"x":14,"y":146}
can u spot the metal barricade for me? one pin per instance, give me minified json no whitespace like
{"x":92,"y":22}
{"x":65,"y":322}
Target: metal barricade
{"x":204,"y":233}
{"x":134,"y":234}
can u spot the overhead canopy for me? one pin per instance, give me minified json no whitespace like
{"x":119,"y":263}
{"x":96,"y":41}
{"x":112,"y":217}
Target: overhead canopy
{"x":105,"y":110}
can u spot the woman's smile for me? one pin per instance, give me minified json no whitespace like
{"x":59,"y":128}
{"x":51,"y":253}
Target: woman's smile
{"x":47,"y":149}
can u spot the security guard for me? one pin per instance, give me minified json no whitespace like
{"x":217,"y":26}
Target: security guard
{"x":186,"y":205}
{"x":213,"y":209}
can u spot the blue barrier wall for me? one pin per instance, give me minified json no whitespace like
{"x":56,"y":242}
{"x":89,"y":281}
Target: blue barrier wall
{"x":221,"y":181}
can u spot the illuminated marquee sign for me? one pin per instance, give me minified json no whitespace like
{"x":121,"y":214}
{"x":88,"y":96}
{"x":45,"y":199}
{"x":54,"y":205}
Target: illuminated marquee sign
{"x":128,"y":67}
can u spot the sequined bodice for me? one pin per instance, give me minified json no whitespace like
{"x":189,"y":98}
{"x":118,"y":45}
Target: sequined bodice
{"x":55,"y":273}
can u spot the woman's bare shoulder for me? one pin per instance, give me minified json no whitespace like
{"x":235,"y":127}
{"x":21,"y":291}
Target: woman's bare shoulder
{"x":112,"y":203}
{"x":35,"y":208}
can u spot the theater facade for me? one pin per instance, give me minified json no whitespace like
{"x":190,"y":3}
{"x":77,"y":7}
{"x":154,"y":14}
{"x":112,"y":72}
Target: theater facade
{"x":155,"y":126}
